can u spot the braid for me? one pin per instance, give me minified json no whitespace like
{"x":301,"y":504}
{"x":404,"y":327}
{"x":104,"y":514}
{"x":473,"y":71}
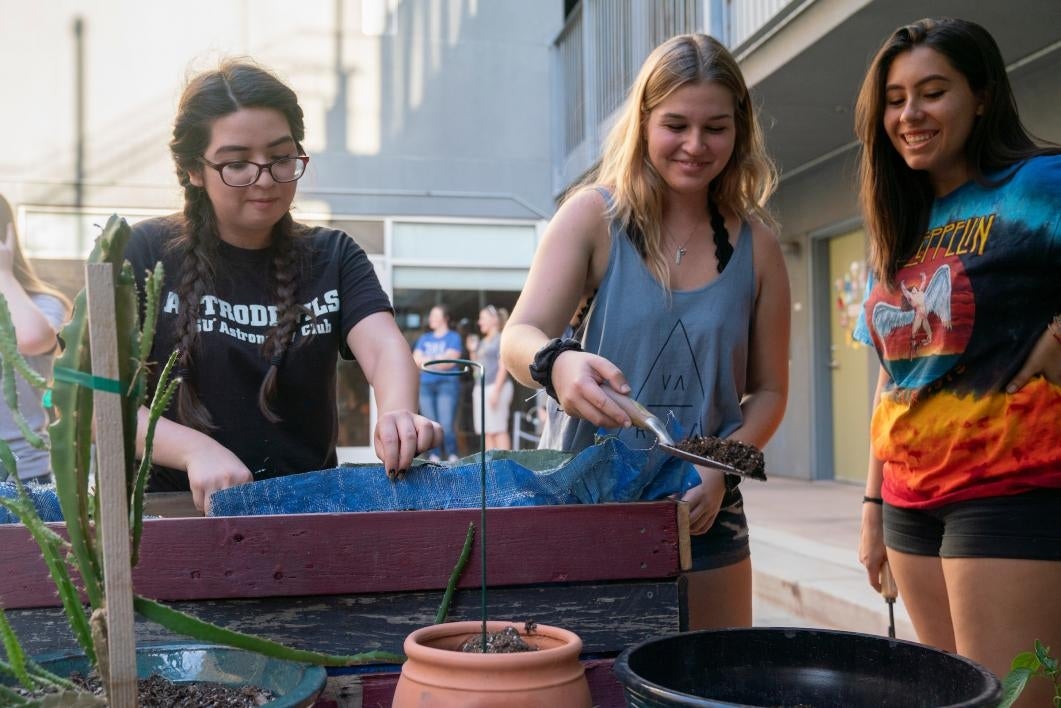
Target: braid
{"x":198,"y":241}
{"x":287,"y":262}
{"x":723,"y":248}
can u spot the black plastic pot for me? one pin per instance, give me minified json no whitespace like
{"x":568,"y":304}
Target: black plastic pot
{"x":799,"y":667}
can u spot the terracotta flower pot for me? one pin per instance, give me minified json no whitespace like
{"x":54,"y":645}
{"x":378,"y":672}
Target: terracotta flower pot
{"x":438,"y":675}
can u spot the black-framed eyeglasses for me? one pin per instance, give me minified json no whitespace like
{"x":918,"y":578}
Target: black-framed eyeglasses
{"x":244,"y":173}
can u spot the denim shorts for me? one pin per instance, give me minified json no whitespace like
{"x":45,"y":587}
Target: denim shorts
{"x":726,"y":542}
{"x":1024,"y":526}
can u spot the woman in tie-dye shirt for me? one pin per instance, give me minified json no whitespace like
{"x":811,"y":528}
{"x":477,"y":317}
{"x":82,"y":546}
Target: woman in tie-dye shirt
{"x":963,"y":211}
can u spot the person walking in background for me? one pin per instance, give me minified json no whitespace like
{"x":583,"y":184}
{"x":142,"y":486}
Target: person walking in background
{"x":963,"y":494}
{"x":439,"y":393}
{"x":499,"y":386}
{"x":37,"y":311}
{"x":667,"y":266}
{"x":260,"y":306}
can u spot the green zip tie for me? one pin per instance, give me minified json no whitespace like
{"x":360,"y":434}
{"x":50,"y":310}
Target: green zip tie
{"x":83,"y":378}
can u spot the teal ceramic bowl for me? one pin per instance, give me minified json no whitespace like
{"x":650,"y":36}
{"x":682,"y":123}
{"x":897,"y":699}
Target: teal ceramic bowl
{"x":295,"y":685}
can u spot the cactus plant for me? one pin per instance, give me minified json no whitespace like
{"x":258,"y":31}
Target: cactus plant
{"x":71,"y":440}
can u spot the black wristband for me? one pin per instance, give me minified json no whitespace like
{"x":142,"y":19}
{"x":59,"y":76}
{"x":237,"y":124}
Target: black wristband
{"x":873,"y":500}
{"x":541,"y":370}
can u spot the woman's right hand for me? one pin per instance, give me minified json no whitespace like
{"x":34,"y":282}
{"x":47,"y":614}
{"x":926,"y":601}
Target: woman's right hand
{"x":577,"y":378}
{"x":871,"y":551}
{"x":211,"y":468}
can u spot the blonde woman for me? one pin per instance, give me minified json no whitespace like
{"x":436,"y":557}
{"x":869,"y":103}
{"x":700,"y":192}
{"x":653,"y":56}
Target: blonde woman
{"x":498,"y":385}
{"x":37,"y":311}
{"x":667,"y":266}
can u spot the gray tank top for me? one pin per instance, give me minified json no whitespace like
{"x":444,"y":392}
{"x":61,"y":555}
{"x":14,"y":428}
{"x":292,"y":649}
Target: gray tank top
{"x":489,"y":355}
{"x":686,"y":356}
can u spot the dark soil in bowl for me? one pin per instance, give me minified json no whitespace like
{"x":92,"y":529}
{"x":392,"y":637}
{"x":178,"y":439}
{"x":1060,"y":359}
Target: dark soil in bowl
{"x":747,"y":458}
{"x":157,"y":692}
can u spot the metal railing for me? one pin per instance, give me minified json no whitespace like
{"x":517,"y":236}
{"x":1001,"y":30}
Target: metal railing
{"x":597,"y":55}
{"x":568,"y":48}
{"x":743,"y":18}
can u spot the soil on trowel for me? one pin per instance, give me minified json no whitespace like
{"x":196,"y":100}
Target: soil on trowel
{"x":157,"y":692}
{"x":507,"y":641}
{"x":747,"y":458}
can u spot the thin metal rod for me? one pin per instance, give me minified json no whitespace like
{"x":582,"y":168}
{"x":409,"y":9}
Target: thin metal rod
{"x":467,"y":366}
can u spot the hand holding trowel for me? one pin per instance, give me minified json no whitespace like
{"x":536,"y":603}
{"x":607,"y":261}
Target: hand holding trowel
{"x":642,"y":418}
{"x":889,"y":591}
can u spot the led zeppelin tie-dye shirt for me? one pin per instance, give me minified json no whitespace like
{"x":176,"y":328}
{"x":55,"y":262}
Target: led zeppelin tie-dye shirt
{"x":970,"y":304}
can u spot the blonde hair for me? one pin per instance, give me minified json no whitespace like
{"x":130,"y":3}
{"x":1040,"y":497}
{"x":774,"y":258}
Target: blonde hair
{"x":500,"y":313}
{"x":24,"y":273}
{"x":743,"y":186}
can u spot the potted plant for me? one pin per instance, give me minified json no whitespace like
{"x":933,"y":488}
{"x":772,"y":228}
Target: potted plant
{"x":72,"y":437}
{"x":458,"y":664}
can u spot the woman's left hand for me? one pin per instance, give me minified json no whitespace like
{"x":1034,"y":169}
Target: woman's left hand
{"x":705,"y":500}
{"x":1045,"y":359}
{"x":493,"y":396}
{"x":400,"y":435}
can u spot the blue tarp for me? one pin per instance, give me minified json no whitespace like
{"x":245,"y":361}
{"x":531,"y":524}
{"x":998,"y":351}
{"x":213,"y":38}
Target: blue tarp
{"x":606,"y":472}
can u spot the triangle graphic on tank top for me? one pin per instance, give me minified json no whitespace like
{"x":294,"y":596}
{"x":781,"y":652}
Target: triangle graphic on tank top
{"x":673,"y":372}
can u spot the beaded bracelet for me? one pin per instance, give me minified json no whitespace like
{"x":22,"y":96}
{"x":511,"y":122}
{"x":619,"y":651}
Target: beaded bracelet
{"x":872,"y":500}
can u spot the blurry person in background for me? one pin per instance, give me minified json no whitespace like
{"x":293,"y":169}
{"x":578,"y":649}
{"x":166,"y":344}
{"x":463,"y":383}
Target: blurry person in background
{"x":37,"y":311}
{"x":499,"y":387}
{"x":439,"y":393}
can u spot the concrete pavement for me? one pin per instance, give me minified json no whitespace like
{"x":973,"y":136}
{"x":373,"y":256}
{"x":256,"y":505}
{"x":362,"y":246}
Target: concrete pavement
{"x":804,"y":542}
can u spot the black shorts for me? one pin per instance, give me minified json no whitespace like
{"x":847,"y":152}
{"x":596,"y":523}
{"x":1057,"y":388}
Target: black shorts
{"x":1025,"y":526}
{"x":726,"y":542}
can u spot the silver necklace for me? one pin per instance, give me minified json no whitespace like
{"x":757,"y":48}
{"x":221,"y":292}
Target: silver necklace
{"x":681,"y":250}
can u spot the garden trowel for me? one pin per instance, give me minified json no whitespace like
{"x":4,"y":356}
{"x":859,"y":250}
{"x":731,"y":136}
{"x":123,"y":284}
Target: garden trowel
{"x":642,"y":418}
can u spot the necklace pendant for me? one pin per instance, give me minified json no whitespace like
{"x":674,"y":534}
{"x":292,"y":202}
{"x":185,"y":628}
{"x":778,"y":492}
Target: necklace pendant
{"x":678,"y":256}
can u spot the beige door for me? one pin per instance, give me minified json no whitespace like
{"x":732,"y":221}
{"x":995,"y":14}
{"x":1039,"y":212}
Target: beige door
{"x":849,"y":363}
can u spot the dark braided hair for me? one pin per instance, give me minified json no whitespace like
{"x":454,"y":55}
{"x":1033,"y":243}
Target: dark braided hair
{"x":723,"y":248}
{"x":211,"y":95}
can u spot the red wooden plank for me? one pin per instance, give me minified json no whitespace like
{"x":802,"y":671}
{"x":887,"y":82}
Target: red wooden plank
{"x":325,"y":554}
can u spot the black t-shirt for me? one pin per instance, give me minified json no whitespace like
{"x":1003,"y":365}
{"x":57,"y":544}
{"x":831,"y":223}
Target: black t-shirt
{"x":337,"y":284}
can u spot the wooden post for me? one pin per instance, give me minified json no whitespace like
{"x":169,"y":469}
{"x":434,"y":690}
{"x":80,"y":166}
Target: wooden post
{"x":111,"y":488}
{"x":685,"y":545}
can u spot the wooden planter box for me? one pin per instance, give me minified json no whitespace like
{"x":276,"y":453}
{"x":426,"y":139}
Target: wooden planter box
{"x":345,"y":583}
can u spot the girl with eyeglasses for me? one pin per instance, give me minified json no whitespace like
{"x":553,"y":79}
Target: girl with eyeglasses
{"x":260,"y":306}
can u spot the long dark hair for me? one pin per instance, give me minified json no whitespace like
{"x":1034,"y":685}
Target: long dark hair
{"x":895,"y":199}
{"x":235,"y":84}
